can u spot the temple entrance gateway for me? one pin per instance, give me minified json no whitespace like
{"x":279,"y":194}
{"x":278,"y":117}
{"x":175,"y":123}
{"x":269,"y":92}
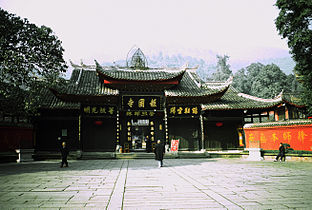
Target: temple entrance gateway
{"x":133,"y":106}
{"x":140,"y":135}
{"x":142,"y":117}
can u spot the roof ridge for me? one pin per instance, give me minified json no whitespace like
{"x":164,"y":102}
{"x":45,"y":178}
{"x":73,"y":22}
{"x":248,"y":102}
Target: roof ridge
{"x":278,"y":98}
{"x":139,"y":75}
{"x":194,"y":80}
{"x":82,"y":66}
{"x":220,"y":85}
{"x":125,"y":69}
{"x":79,"y":76}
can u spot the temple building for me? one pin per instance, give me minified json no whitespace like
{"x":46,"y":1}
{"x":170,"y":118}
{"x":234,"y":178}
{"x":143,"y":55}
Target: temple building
{"x":104,"y":108}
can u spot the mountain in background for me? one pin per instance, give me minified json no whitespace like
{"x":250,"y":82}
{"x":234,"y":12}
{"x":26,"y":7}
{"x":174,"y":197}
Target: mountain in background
{"x":208,"y":66}
{"x":204,"y":70}
{"x":286,"y":64}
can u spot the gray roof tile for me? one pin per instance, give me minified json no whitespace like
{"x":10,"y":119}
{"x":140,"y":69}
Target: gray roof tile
{"x":224,"y":97}
{"x":87,"y":83}
{"x":50,"y":101}
{"x":192,"y":86}
{"x":138,"y":75}
{"x":232,"y":99}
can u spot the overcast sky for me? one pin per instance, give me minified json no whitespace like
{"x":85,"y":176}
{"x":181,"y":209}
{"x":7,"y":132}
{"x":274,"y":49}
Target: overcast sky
{"x":106,"y":30}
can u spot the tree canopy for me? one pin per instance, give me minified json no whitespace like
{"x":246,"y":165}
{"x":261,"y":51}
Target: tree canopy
{"x":269,"y":82}
{"x":264,"y":81}
{"x":223,"y":69}
{"x":31,"y":58}
{"x":294,"y":22}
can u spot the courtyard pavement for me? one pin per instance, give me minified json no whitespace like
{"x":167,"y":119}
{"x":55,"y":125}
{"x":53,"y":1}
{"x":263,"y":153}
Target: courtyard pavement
{"x":139,"y":184}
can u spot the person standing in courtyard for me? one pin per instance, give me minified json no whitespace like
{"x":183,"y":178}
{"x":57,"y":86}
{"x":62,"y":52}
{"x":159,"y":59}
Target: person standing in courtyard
{"x":148,"y":144}
{"x":64,"y":153}
{"x":159,"y":153}
{"x":281,"y":153}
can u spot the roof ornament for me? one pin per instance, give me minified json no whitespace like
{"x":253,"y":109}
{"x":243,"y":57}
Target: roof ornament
{"x":137,"y":59}
{"x":185,"y":66}
{"x":73,"y":65}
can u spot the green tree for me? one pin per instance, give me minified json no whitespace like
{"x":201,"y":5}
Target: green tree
{"x":223,"y":69}
{"x":269,"y":82}
{"x":293,"y":86}
{"x":252,"y":71}
{"x":265,"y":81}
{"x":294,"y":22}
{"x":31,"y":58}
{"x":240,"y":81}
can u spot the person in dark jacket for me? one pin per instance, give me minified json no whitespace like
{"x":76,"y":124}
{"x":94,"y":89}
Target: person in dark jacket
{"x":159,"y":153}
{"x":64,"y":152}
{"x":281,"y":153}
{"x":148,"y":144}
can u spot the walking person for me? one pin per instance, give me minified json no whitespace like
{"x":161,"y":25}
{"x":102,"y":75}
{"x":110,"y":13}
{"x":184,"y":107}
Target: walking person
{"x":64,"y":153}
{"x":281,"y":153}
{"x":159,"y":153}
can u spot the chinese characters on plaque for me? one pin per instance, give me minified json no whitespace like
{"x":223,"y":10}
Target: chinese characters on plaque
{"x":152,"y":131}
{"x":298,"y":137}
{"x":129,"y":135}
{"x":140,"y":113}
{"x":141,"y":102}
{"x":183,"y":111}
{"x":99,"y":110}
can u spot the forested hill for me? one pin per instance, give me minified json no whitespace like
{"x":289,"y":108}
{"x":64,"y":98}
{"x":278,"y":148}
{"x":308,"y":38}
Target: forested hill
{"x":265,"y":80}
{"x":286,"y":64}
{"x":207,"y":67}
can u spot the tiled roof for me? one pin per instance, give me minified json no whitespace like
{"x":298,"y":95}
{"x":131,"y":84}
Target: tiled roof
{"x":279,"y":123}
{"x":294,"y":99}
{"x":50,"y":101}
{"x":232,"y":99}
{"x":191,"y":86}
{"x":86,"y":83}
{"x":117,"y":73}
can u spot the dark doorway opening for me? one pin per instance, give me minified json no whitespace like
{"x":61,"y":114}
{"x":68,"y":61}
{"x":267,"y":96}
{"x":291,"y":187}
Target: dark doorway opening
{"x":140,"y":135}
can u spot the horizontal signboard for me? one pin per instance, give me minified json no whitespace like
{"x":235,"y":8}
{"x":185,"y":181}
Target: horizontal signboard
{"x":140,"y":113}
{"x":183,"y":111}
{"x":103,"y":110}
{"x":141,"y":102}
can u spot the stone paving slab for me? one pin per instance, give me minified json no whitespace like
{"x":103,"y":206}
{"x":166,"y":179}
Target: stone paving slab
{"x":139,"y":184}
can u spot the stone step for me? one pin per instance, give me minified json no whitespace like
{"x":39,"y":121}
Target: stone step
{"x":97,"y":155}
{"x":6,"y":157}
{"x":135,"y":155}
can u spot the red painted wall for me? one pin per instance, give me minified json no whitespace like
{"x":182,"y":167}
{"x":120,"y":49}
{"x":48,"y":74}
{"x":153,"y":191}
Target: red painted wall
{"x":299,"y":137}
{"x":12,"y":138}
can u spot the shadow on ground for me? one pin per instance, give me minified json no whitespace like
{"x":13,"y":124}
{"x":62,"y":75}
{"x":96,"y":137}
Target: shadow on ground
{"x":137,"y":164}
{"x":103,"y":164}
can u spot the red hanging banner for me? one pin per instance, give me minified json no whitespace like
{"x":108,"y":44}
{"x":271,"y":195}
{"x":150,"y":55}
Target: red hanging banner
{"x":174,"y":145}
